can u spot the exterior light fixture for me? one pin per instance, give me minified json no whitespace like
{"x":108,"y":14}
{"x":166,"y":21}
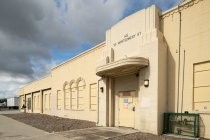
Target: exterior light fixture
{"x":146,"y":82}
{"x":102,"y":89}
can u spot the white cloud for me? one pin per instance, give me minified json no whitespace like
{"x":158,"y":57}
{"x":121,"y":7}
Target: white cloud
{"x":30,"y":29}
{"x":10,"y":84}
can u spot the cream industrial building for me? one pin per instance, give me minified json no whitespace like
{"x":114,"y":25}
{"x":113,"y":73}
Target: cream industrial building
{"x":149,"y":64}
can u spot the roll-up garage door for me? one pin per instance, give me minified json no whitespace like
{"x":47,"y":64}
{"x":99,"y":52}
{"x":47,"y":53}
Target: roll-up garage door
{"x":202,"y":86}
{"x":46,"y":101}
{"x":36,"y":102}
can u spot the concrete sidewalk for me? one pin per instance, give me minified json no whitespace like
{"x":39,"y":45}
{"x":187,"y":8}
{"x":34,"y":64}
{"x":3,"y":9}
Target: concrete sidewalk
{"x":95,"y":133}
{"x":11,"y":129}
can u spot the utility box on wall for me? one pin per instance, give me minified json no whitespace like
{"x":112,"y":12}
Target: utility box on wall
{"x":186,"y":124}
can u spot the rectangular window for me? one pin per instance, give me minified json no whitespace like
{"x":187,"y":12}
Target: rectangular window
{"x":67,"y":99}
{"x":201,"y":87}
{"x":80,"y":99}
{"x":93,"y":96}
{"x":73,"y":98}
{"x":59,"y":100}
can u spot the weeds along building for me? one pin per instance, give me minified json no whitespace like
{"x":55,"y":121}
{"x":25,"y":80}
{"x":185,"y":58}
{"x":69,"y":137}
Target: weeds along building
{"x":149,"y":64}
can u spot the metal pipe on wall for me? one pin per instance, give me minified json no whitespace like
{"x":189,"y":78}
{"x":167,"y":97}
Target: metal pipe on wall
{"x":178,"y":79}
{"x":98,"y":102}
{"x":183,"y":82}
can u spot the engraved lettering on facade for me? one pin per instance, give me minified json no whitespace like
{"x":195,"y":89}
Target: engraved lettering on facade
{"x":127,"y":38}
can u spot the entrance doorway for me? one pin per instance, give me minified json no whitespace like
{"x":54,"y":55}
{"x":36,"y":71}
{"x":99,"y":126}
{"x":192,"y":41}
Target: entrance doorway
{"x":127,"y":105}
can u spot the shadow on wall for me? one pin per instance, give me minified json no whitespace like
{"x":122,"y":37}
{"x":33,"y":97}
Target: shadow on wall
{"x":171,"y":81}
{"x":201,"y":127}
{"x":171,"y":72}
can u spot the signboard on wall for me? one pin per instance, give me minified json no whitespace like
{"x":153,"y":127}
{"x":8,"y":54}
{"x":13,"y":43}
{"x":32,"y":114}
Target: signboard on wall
{"x":126,"y":38}
{"x":128,"y":35}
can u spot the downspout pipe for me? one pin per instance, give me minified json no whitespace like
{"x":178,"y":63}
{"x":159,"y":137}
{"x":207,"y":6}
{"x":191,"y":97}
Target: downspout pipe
{"x":179,"y":58}
{"x":98,"y":103}
{"x":183,"y":82}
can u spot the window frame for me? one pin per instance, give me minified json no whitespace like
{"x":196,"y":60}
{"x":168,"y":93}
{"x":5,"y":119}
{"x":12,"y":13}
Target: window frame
{"x":59,"y":99}
{"x":90,"y":102}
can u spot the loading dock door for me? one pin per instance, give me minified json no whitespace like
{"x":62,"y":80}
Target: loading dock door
{"x":202,"y":87}
{"x":127,"y":102}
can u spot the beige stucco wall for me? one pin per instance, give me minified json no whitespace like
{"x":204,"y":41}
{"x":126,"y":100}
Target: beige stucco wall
{"x":80,"y":67}
{"x":195,"y":36}
{"x":41,"y":84}
{"x":34,"y":89}
{"x":43,"y":92}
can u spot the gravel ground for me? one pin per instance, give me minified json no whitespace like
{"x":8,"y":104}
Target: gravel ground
{"x":51,"y":123}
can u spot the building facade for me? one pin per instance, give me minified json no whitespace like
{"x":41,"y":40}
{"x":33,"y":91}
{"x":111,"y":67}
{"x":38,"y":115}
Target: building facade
{"x":149,"y":64}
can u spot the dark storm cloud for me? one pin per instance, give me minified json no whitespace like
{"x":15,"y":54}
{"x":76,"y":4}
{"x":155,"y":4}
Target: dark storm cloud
{"x":20,"y":35}
{"x":19,"y":17}
{"x":29,"y":29}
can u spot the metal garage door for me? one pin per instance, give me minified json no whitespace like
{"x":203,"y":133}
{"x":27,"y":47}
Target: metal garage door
{"x":36,"y":102}
{"x":202,"y":86}
{"x":28,"y":103}
{"x":46,"y":101}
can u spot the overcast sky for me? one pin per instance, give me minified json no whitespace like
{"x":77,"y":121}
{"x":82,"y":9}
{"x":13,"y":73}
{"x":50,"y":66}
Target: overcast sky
{"x":36,"y":35}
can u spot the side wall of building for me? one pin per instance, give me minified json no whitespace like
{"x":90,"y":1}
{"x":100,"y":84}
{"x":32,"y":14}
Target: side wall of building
{"x":31,"y":95}
{"x":75,"y":83}
{"x":71,"y":90}
{"x":189,"y":32}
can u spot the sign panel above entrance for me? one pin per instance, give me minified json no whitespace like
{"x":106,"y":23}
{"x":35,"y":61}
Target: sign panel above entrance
{"x":128,"y":36}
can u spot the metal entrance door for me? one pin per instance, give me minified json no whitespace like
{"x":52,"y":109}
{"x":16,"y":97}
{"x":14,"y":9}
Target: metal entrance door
{"x":127,"y":102}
